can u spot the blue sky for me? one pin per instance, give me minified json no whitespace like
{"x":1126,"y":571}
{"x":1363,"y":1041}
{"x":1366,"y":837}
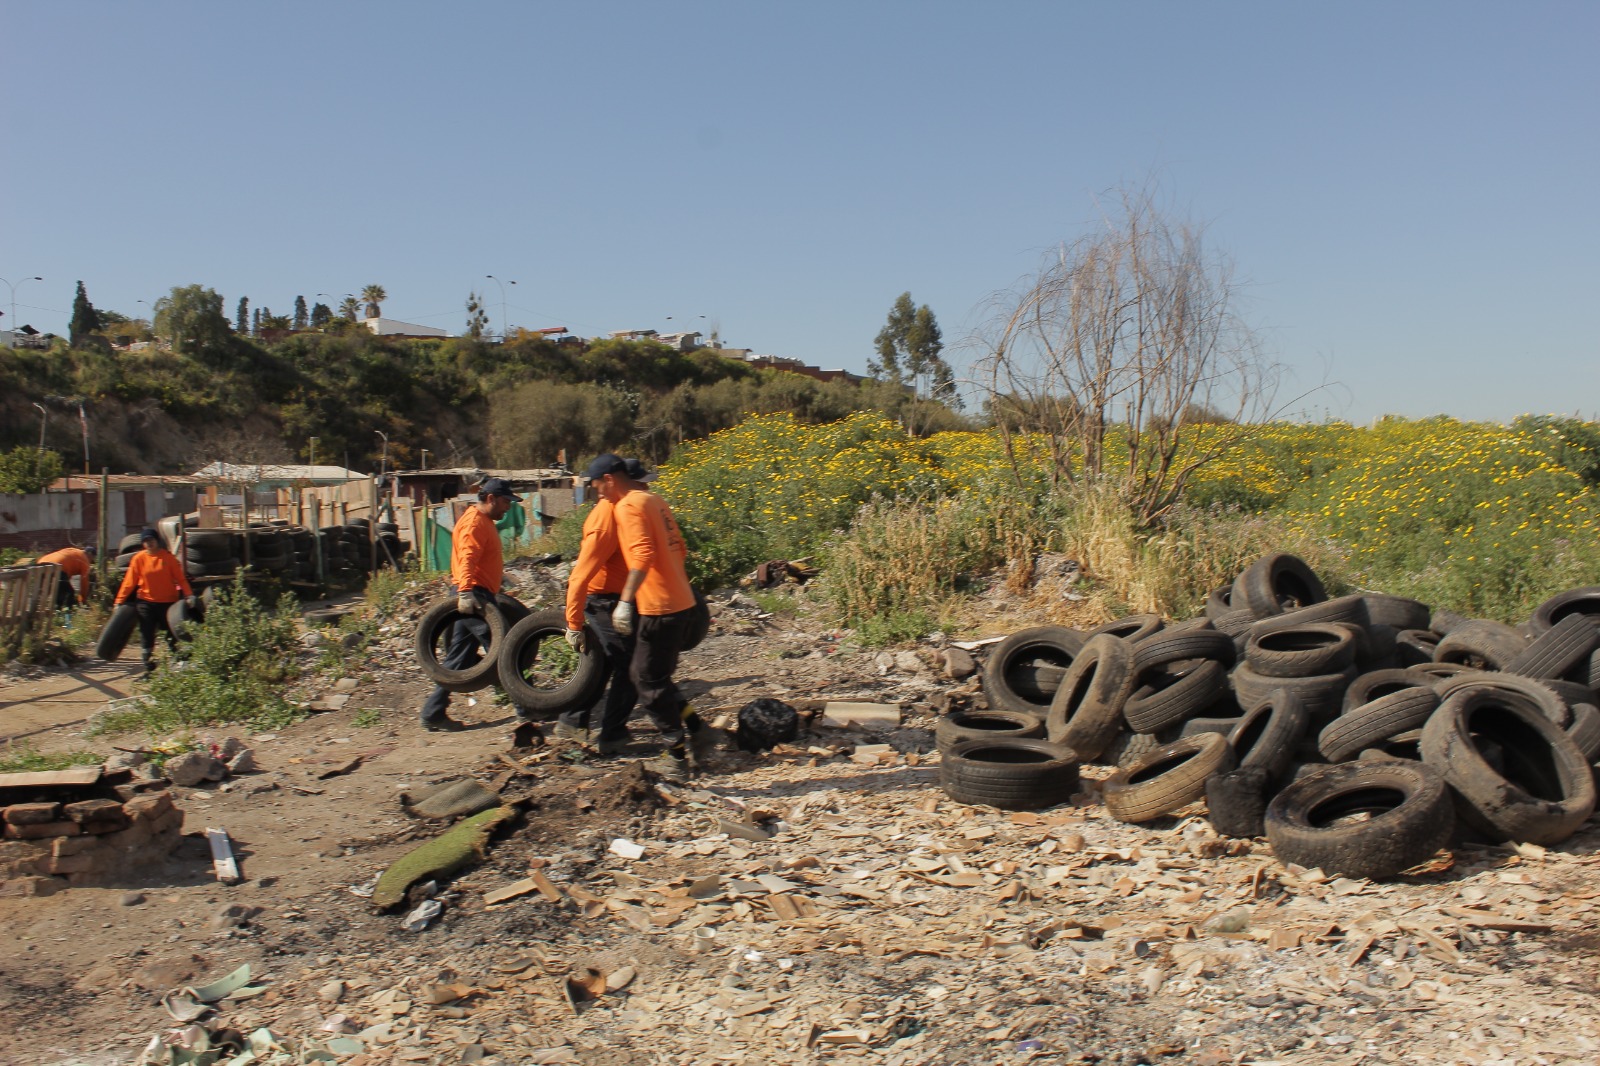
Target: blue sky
{"x":1407,"y":189}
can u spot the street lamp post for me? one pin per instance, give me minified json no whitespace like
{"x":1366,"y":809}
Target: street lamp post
{"x":13,"y":289}
{"x":44,"y":416}
{"x":424,"y":459}
{"x":502,"y":285}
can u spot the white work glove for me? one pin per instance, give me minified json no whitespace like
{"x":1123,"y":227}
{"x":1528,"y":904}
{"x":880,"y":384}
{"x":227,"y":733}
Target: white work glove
{"x":622,"y":617}
{"x":466,"y":602}
{"x":575,"y":638}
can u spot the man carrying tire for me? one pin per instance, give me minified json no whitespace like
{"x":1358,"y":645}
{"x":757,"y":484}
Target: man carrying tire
{"x":154,"y":582}
{"x":656,"y":606}
{"x":74,"y":563}
{"x":477,"y":569}
{"x":593,"y":589}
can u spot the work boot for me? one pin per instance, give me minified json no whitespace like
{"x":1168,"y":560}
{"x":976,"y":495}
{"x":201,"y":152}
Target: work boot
{"x":572,"y":734}
{"x":444,"y":724}
{"x":613,"y":746}
{"x":670,"y":766}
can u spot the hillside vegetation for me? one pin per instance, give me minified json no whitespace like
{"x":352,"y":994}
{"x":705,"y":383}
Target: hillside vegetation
{"x":463,"y":400}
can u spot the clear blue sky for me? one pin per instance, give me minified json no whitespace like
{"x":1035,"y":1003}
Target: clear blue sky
{"x":1410,"y":189}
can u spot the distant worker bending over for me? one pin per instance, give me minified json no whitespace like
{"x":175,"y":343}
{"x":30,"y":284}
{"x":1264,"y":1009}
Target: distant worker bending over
{"x":154,"y":582}
{"x":656,"y":606}
{"x":74,"y":563}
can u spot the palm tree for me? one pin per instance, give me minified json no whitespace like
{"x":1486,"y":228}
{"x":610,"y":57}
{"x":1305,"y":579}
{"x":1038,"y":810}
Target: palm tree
{"x":350,"y":308}
{"x":374,"y":295}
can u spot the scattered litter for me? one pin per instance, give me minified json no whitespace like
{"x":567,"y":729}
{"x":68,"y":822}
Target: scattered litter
{"x":417,"y":920}
{"x":222,"y":860}
{"x":626,"y":848}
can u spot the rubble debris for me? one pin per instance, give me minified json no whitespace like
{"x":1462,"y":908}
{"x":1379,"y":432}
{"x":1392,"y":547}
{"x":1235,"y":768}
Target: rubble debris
{"x":222,"y":860}
{"x":452,"y":799}
{"x":870,"y":716}
{"x":465,"y":841}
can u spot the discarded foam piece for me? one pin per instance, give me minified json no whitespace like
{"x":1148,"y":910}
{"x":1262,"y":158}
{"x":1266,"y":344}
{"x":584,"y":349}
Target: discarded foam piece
{"x":873,"y":716}
{"x":439,"y":857}
{"x":450,"y":800}
{"x":223,"y":863}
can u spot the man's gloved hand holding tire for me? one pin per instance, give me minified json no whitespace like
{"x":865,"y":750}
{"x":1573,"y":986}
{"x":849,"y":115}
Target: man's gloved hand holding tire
{"x":466,"y":602}
{"x":575,"y":638}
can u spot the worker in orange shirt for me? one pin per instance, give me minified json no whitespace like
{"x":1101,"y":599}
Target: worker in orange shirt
{"x":155,"y":581}
{"x":477,"y":570}
{"x":593,"y":589}
{"x":656,"y":606}
{"x":74,"y":563}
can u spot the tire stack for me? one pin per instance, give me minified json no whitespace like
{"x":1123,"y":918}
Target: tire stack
{"x":127,"y":548}
{"x":1355,"y":733}
{"x":391,"y":549}
{"x":271,"y":551}
{"x":213,"y":552}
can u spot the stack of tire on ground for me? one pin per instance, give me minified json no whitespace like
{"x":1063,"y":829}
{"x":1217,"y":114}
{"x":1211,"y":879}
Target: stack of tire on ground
{"x":1358,"y":734}
{"x":213,"y":552}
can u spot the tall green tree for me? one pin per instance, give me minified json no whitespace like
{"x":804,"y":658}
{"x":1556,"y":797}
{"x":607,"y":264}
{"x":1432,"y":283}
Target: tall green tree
{"x":374,"y":295}
{"x":909,"y":348}
{"x":301,"y":316}
{"x":350,"y":307}
{"x":84,"y":318}
{"x":241,"y":320}
{"x":191,"y":318}
{"x":321,"y":315}
{"x":255,"y":323}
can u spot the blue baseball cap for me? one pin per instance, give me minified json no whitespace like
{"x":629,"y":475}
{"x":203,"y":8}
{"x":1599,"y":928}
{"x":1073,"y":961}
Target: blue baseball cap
{"x":497,"y":486}
{"x":605,"y":463}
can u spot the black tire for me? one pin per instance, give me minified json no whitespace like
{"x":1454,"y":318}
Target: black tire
{"x":1268,"y":734}
{"x":1585,"y":731}
{"x":1446,"y":622}
{"x":224,"y":568}
{"x":1322,"y":695}
{"x":1558,"y":649}
{"x":518,"y":666}
{"x":1164,"y":696}
{"x":1004,"y":680}
{"x":1377,"y":683}
{"x":1377,"y":646}
{"x":1276,"y":583}
{"x":1170,"y":777}
{"x":1545,"y":789}
{"x":1236,"y":802}
{"x":1301,"y":651}
{"x":1396,"y":611}
{"x":959,"y":727}
{"x":699,"y":623}
{"x":1086,"y":711}
{"x":1350,"y":609}
{"x":1440,"y":671}
{"x":1171,"y":647}
{"x":183,"y":619}
{"x":1129,"y":748}
{"x":1375,"y":723}
{"x":129,"y":544}
{"x":1196,"y":726}
{"x":1010,"y":774}
{"x":114,"y":635}
{"x":432,"y":629}
{"x":1584,"y":601}
{"x":209,"y":546}
{"x":1481,"y":643}
{"x":1220,"y":602}
{"x":1416,"y":646}
{"x":1133,"y":628}
{"x":1361,"y":819}
{"x":1538,"y":693}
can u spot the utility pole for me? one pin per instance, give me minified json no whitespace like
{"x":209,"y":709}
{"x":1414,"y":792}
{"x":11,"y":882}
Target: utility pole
{"x":502,"y":285}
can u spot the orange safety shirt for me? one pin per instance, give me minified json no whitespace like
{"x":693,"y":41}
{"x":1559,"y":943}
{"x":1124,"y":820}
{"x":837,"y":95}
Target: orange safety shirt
{"x":651,"y":541}
{"x":600,"y":567}
{"x":155,"y":577}
{"x":476,"y":560}
{"x":74,"y":562}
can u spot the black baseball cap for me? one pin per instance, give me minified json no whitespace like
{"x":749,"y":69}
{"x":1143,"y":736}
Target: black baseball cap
{"x":148,"y":534}
{"x":497,"y":486}
{"x":605,"y":463}
{"x":635,"y":471}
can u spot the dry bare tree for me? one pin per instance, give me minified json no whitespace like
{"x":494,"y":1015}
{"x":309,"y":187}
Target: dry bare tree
{"x":1123,"y":341}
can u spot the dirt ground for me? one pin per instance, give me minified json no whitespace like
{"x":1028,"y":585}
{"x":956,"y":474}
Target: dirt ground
{"x":880,"y":921}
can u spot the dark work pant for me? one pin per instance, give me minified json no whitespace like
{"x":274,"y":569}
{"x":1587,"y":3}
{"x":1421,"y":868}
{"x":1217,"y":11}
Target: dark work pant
{"x":153,"y":620}
{"x":468,"y":638}
{"x":620,"y":694}
{"x":658,"y":643}
{"x":65,"y":597}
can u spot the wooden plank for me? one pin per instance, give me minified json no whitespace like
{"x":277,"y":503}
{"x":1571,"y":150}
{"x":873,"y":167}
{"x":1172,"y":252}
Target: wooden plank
{"x":75,"y":777}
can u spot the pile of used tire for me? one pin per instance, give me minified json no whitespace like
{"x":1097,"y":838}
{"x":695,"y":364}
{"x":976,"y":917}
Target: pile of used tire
{"x":1358,"y":734}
